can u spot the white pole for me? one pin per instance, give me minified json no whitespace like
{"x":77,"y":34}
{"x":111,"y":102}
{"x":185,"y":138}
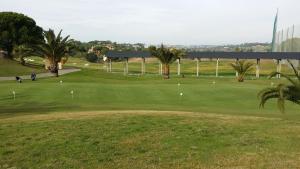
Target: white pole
{"x":293,"y":31}
{"x":107,"y":66}
{"x":110,"y":65}
{"x":197,"y":61}
{"x":159,"y":68}
{"x":278,"y":68}
{"x":257,"y":68}
{"x":127,"y":66}
{"x":124,"y":64}
{"x":217,"y":68}
{"x":143,"y":66}
{"x":299,"y":67}
{"x":286,"y":41}
{"x":236,"y":73}
{"x":281,"y":43}
{"x":160,"y":72}
{"x":178,"y":67}
{"x":277,"y":42}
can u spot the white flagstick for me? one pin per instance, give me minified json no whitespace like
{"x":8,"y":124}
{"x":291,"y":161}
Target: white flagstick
{"x":72,"y":93}
{"x":14,"y":94}
{"x":181,"y":94}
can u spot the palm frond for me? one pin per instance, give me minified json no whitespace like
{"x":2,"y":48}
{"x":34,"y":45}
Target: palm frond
{"x":294,"y":69}
{"x":242,"y":67}
{"x":273,"y":74}
{"x":282,"y":92}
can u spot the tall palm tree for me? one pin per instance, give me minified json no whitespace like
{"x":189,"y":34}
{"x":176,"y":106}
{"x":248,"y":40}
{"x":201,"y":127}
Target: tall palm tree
{"x":166,"y":57}
{"x":242,"y":67}
{"x":54,"y":48}
{"x":282,"y":92}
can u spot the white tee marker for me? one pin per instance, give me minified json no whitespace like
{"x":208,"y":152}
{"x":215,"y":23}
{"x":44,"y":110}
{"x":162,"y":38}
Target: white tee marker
{"x":14,"y":95}
{"x":61,"y":82}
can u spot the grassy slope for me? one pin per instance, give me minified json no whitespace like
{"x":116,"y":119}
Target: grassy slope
{"x":14,"y":68}
{"x":148,"y":140}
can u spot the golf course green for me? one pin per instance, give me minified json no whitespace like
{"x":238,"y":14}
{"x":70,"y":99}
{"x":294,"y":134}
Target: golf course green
{"x":135,"y":121}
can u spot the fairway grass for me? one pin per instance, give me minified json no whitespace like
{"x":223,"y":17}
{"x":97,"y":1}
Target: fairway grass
{"x":97,"y":90}
{"x":135,"y":121}
{"x":148,"y":139}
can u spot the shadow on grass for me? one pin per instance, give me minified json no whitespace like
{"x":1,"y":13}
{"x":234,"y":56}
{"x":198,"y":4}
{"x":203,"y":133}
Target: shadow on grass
{"x":28,"y":108}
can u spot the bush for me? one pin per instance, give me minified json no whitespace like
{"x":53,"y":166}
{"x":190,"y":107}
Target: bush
{"x":91,"y":57}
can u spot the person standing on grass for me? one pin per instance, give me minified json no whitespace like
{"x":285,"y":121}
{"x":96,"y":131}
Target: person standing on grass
{"x":33,"y":76}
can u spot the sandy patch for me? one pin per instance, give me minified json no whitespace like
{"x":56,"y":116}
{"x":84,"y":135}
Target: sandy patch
{"x":93,"y":114}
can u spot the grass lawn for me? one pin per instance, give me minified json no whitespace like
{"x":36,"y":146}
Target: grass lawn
{"x":14,"y":68}
{"x":116,"y":121}
{"x":140,"y":139}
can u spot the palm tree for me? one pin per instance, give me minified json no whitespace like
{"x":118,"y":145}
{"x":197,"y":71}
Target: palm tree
{"x":242,"y":67}
{"x":282,"y":92}
{"x":54,"y":48}
{"x":166,"y":57}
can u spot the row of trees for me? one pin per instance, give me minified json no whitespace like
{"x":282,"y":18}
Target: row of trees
{"x":18,"y":31}
{"x":21,"y":37}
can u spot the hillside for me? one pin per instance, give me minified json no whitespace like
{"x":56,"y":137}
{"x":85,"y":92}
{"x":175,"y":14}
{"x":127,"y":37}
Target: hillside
{"x":14,"y":68}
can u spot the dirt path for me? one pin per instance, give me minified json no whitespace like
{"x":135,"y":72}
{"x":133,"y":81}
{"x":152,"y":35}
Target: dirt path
{"x":41,"y":75}
{"x":92,"y":114}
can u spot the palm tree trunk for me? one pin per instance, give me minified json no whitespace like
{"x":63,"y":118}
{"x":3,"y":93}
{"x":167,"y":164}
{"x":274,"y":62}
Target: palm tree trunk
{"x":9,"y":50}
{"x":54,"y":67}
{"x":166,"y":71}
{"x":240,"y":78}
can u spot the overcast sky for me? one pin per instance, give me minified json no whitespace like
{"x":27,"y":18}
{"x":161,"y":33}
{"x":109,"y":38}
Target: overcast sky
{"x":185,"y":22}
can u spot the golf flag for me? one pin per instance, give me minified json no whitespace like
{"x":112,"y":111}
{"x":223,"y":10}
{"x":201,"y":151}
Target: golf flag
{"x":274,"y":32}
